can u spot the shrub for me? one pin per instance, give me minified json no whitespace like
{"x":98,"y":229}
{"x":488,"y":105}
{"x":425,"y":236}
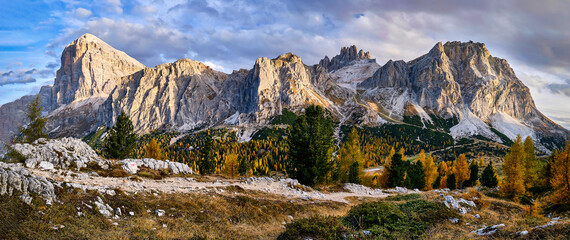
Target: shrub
{"x":405,"y":197}
{"x":387,"y":220}
{"x":315,"y":228}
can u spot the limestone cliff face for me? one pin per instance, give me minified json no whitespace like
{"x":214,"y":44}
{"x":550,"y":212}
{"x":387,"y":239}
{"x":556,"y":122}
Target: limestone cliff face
{"x":90,"y":67}
{"x":90,"y":70}
{"x":283,"y":82}
{"x":96,"y":82}
{"x":460,"y":79}
{"x":184,"y":94}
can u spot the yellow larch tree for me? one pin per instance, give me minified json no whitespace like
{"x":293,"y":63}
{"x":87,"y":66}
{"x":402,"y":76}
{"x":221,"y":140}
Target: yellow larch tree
{"x":231,"y":164}
{"x":443,"y":172}
{"x":512,"y":185}
{"x":153,"y":150}
{"x":461,"y":170}
{"x":530,"y":164}
{"x":561,"y":176}
{"x":349,"y":153}
{"x":430,"y":171}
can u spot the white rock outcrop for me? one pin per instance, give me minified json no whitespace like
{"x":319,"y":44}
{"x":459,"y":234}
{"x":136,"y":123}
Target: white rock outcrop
{"x":16,"y":180}
{"x":62,"y":153}
{"x":131,"y":166}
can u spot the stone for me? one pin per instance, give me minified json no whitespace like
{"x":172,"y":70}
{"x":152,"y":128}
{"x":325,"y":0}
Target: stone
{"x":64,"y":153}
{"x":488,"y":230}
{"x":159,"y":212}
{"x":131,"y":165}
{"x":454,"y":220}
{"x":43,"y":165}
{"x":14,"y":180}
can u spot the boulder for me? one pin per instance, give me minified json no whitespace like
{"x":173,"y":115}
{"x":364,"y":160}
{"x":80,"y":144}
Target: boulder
{"x":65,"y":153}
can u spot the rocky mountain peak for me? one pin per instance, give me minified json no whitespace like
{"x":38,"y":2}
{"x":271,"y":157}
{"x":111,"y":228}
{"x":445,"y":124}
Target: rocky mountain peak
{"x":89,"y":67}
{"x":347,"y":56}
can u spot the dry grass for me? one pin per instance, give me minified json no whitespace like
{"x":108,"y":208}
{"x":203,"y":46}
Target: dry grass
{"x":209,"y":215}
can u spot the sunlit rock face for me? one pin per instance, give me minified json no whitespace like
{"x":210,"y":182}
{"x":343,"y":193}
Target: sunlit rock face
{"x":459,"y":80}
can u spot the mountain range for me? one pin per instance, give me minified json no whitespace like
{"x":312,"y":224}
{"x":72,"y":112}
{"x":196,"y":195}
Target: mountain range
{"x":458,"y":88}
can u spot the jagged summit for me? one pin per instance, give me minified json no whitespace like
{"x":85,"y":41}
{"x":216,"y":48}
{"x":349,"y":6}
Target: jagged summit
{"x":347,"y":56}
{"x":454,"y":80}
{"x":288,"y":57}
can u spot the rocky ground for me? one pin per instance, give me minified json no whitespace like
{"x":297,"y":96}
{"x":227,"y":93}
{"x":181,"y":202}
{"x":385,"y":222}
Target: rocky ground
{"x":67,"y":172}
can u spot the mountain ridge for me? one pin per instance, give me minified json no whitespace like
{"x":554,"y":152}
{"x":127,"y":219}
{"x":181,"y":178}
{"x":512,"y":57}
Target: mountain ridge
{"x":454,"y":79}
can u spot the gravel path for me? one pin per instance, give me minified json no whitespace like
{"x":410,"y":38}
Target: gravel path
{"x":289,"y":188}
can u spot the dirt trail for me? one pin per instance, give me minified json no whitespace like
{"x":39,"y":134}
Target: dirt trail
{"x":284,"y":187}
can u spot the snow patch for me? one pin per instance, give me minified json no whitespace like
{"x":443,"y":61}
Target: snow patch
{"x":511,"y":127}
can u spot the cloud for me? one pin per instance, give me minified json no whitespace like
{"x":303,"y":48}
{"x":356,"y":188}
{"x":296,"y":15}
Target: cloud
{"x":82,"y":13}
{"x":560,"y":88}
{"x":16,"y":77}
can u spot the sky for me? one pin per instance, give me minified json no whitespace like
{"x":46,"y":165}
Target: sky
{"x":534,"y":36}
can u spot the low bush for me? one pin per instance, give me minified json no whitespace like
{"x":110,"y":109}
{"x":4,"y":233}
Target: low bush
{"x":315,"y":228}
{"x":406,"y":197}
{"x":387,"y":220}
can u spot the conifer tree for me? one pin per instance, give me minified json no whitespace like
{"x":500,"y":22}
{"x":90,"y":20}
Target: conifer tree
{"x":153,"y":150}
{"x":443,"y":173}
{"x":530,"y":164}
{"x":561,"y":176}
{"x":354,"y":173}
{"x":120,"y":140}
{"x":473,"y":174}
{"x":311,"y":145}
{"x":461,"y":170}
{"x":451,"y":182}
{"x":415,"y":177}
{"x":207,"y":161}
{"x":36,"y":123}
{"x":397,"y":171}
{"x":513,"y":183}
{"x":231,"y":164}
{"x":430,"y":172}
{"x":348,"y":154}
{"x":489,"y":177}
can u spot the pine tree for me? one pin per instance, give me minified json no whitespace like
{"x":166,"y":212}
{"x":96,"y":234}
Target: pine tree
{"x":244,"y":167}
{"x":430,"y":172}
{"x":354,"y":173}
{"x":473,"y":174}
{"x":415,"y":176}
{"x":153,"y":150}
{"x":348,"y":154}
{"x":311,"y":145}
{"x":513,"y":169}
{"x":120,"y":140}
{"x":489,"y":177}
{"x":451,"y":182}
{"x":207,"y":161}
{"x":561,"y":176}
{"x":530,"y":164}
{"x":36,"y":123}
{"x":397,"y":171}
